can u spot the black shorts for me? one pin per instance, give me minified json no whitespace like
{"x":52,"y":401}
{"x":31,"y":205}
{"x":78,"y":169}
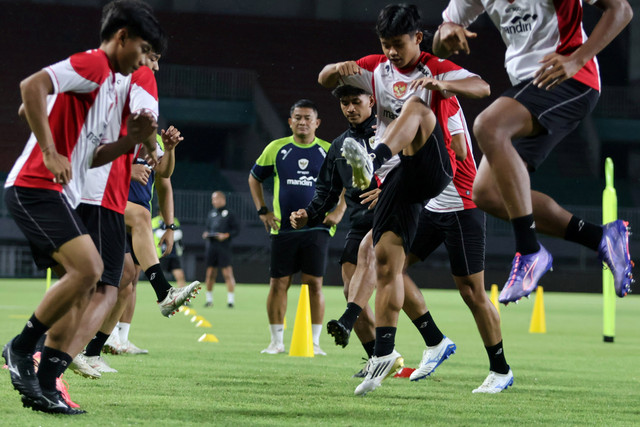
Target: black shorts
{"x":463,"y":233}
{"x":304,"y":251}
{"x":171,"y":262}
{"x":217,"y":254}
{"x":407,"y":188}
{"x":559,"y":111}
{"x":107,"y":230}
{"x":353,"y":240}
{"x":128,"y":248}
{"x":45,"y":218}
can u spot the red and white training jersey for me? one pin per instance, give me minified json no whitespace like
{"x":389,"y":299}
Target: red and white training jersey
{"x":531,"y":30}
{"x":390,"y":87}
{"x":108,"y":185}
{"x":79,"y":112}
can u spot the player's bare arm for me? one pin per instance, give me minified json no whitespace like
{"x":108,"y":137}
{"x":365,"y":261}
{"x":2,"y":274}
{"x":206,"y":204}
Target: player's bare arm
{"x":556,"y":68}
{"x":470,"y":87}
{"x":451,"y":39}
{"x":330,"y":75}
{"x":459,"y":146}
{"x":269,"y":220}
{"x":139,"y":127}
{"x":165,"y":203}
{"x":335,"y":216}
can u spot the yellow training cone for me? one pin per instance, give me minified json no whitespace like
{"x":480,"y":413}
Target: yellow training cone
{"x":203,"y":324}
{"x":302,"y":340}
{"x":494,"y":297}
{"x":198,"y":318}
{"x":538,"y":323}
{"x":208,"y":338}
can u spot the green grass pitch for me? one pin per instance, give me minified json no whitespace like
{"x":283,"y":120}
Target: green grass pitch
{"x":567,"y":376}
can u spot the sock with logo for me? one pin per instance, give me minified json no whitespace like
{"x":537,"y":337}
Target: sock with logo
{"x":584,"y":233}
{"x":277,"y":333}
{"x":123,"y":331}
{"x":497,"y":361}
{"x":369,"y":347}
{"x":383,"y":153}
{"x":28,"y":338}
{"x":385,"y":340}
{"x":52,"y":363}
{"x":95,"y":345}
{"x":524,"y":229}
{"x":158,"y":281}
{"x":350,"y":315}
{"x":428,"y":329}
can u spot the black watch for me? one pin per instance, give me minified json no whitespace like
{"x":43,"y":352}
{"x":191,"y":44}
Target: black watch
{"x":263,"y":210}
{"x":172,"y":227}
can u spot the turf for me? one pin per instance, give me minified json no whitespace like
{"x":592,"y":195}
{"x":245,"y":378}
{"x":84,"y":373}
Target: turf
{"x":567,"y":376}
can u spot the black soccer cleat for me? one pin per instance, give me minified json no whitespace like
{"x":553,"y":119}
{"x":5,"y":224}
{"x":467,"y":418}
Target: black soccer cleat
{"x":23,"y":374}
{"x":51,"y":402}
{"x":339,"y":332}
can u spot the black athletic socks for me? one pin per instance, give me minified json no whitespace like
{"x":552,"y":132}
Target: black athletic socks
{"x":28,"y":338}
{"x":497,"y":361}
{"x":383,"y":153}
{"x":350,"y":315}
{"x":524,"y":229}
{"x":369,"y":347}
{"x":428,"y":329}
{"x":95,"y":345}
{"x":583,"y":233}
{"x":158,"y":281}
{"x":385,"y":340}
{"x":52,"y":363}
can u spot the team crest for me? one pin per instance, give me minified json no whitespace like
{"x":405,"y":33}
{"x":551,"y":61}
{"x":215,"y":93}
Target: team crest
{"x":399,"y":89}
{"x":303,"y":163}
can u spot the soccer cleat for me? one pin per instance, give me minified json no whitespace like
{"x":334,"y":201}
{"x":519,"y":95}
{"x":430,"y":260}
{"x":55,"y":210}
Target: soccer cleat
{"x":360,"y":161}
{"x":362,"y":373}
{"x":177,"y":297}
{"x":495,"y":383}
{"x":339,"y":332}
{"x":318,"y":351}
{"x":63,"y":387}
{"x":99,"y":364}
{"x":51,"y":402}
{"x":208,"y":304}
{"x":378,"y":369}
{"x":113,"y":344}
{"x":526,"y":270}
{"x":230,"y":304}
{"x":80,"y":366}
{"x":23,"y":374}
{"x":432,"y":357}
{"x":614,"y":251}
{"x":131,"y":348}
{"x":274,"y":349}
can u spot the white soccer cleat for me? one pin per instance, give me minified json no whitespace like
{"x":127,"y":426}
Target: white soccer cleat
{"x":360,"y":161}
{"x":318,"y":351}
{"x":379,"y":368}
{"x":80,"y":366}
{"x":131,"y":348}
{"x":495,"y":383}
{"x":113,"y":344}
{"x":273,"y":349}
{"x":177,"y":297}
{"x":432,"y":357}
{"x":99,"y":364}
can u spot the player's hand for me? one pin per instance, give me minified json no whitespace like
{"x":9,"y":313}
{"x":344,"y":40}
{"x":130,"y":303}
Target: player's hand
{"x":221,"y":237}
{"x":554,"y":70}
{"x":140,"y":173}
{"x":205,"y":235}
{"x":170,"y":138}
{"x":299,"y":219}
{"x":333,"y":218}
{"x":57,"y":164}
{"x":370,"y":197}
{"x":167,"y":239}
{"x":454,"y":37}
{"x":427,"y":83}
{"x":141,"y":127}
{"x":348,"y":68}
{"x":270,"y":221}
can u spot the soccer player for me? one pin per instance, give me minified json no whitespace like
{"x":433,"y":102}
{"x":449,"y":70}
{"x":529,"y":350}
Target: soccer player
{"x":221,"y":227}
{"x":424,"y":165}
{"x":556,"y":83}
{"x":68,"y":107}
{"x":171,"y":262}
{"x":294,"y":162}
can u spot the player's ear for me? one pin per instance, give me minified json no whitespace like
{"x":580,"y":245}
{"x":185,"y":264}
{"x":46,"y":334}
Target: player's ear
{"x":419,"y":37}
{"x":289,"y":120}
{"x":371,"y":100}
{"x":318,"y":122}
{"x":121,"y":36}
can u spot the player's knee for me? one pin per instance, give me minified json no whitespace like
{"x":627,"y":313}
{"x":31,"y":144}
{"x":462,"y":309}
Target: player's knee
{"x":485,"y":131}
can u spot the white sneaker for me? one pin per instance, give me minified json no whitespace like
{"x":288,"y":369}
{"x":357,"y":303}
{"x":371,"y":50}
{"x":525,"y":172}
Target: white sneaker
{"x":177,"y":297}
{"x":99,"y":364}
{"x":432,"y":357}
{"x":80,"y":366}
{"x":273,"y":349}
{"x":360,"y":161}
{"x":318,"y":351}
{"x":113,"y":344}
{"x":131,"y":348}
{"x":495,"y":383}
{"x":379,"y":368}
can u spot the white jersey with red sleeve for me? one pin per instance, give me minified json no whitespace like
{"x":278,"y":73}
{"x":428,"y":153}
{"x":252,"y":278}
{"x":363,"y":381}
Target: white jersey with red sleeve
{"x":108,"y":185}
{"x":390,"y":87}
{"x":531,"y":30}
{"x":79,"y":112}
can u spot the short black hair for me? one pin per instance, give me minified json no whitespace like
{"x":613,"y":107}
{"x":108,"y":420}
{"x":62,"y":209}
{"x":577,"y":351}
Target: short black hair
{"x":138,"y":18}
{"x":398,"y":19}
{"x":303,"y":103}
{"x":348,"y":90}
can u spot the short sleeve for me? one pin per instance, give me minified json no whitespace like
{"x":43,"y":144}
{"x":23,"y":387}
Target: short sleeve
{"x":82,"y":73}
{"x":462,"y":12}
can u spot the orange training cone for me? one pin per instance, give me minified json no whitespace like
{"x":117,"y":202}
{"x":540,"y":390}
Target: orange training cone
{"x":494,"y":297}
{"x":538,"y":323}
{"x":302,"y":340}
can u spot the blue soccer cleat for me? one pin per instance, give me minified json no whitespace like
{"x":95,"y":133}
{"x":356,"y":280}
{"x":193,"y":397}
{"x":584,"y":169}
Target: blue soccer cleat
{"x":614,"y":251}
{"x":526,"y":270}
